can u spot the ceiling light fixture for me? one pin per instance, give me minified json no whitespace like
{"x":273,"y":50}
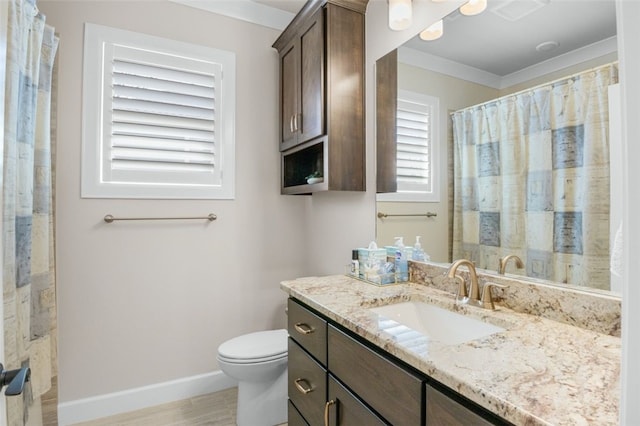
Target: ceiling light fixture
{"x":473,"y":7}
{"x":433,"y":32}
{"x":399,"y":14}
{"x":547,"y":46}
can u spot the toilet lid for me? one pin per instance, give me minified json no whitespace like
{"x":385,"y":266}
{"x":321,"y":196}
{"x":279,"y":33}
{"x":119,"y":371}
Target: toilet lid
{"x":263,"y":344}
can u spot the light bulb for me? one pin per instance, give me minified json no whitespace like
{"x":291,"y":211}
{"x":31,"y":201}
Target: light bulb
{"x":433,"y":32}
{"x":473,"y":7}
{"x":399,"y":14}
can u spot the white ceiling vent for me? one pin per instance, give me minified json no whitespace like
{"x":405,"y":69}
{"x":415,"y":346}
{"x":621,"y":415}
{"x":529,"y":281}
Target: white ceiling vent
{"x":514,"y":10}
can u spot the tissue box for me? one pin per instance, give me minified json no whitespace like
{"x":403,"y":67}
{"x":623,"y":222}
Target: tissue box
{"x":391,"y":251}
{"x":371,"y":260}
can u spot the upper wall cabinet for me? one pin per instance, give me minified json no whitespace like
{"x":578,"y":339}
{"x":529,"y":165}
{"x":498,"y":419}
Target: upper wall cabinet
{"x":302,"y":85}
{"x":322,"y":98}
{"x":386,"y":115}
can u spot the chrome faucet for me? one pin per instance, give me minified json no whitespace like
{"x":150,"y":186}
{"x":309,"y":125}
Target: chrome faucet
{"x":504,"y":260}
{"x":473,"y":296}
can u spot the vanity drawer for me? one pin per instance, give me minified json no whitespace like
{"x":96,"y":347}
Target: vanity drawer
{"x":307,"y":384}
{"x":443,"y":410}
{"x":308,"y":329}
{"x":399,"y":400}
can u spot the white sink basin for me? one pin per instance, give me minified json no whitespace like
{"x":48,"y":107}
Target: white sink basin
{"x":436,"y":323}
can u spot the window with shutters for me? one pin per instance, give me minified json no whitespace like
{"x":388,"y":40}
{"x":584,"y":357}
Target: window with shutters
{"x":158,"y":117}
{"x":416,"y":158}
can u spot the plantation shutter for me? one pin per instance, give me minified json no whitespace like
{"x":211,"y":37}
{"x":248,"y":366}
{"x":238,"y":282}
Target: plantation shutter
{"x":414,"y":139}
{"x":161,"y":118}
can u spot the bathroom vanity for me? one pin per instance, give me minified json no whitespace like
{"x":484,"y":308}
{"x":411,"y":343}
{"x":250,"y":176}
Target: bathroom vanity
{"x":323,"y":355}
{"x":350,"y":364}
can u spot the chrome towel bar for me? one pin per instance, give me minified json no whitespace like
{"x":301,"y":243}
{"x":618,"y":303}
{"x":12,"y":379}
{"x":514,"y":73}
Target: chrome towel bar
{"x":427,"y":214}
{"x":110,"y":218}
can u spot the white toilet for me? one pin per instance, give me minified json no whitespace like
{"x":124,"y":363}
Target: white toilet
{"x":258,"y":361}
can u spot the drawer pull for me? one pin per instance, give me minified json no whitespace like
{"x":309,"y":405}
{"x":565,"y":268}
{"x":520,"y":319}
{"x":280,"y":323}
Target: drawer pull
{"x":303,"y":328}
{"x":303,"y":386}
{"x":326,"y":411}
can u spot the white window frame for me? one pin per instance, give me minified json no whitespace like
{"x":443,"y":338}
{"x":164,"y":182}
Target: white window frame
{"x":99,"y":44}
{"x":424,"y":194}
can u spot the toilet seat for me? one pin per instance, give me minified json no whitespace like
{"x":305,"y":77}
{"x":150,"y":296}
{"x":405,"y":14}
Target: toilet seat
{"x":262,"y":346}
{"x":251,"y":360}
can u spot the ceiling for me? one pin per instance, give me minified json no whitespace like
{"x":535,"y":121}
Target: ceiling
{"x":503,"y":39}
{"x":495,"y":42}
{"x":292,"y":6}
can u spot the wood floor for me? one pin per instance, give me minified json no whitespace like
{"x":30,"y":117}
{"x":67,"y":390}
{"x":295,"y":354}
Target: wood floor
{"x":217,"y":409}
{"x":213,"y":409}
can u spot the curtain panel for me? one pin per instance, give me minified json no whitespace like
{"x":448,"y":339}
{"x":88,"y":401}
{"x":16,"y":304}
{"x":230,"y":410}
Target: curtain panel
{"x":28,"y":267}
{"x":531,"y":178}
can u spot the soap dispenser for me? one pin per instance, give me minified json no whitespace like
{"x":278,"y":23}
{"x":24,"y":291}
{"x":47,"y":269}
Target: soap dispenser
{"x":418,"y":253}
{"x":402,"y":267}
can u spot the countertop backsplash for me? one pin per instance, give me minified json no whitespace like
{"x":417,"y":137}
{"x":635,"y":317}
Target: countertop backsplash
{"x":588,"y":309}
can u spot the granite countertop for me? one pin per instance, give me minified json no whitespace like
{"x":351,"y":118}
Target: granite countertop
{"x":537,"y":372}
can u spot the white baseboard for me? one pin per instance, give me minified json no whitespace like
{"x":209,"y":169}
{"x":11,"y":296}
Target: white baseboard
{"x":96,"y":407}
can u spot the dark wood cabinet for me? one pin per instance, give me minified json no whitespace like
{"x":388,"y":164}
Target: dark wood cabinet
{"x":307,"y":384}
{"x":399,"y":401}
{"x":302,"y":85}
{"x":356,"y":383}
{"x":322,"y":97}
{"x":344,"y":408}
{"x":444,"y":411}
{"x":386,"y":119}
{"x":309,"y":330}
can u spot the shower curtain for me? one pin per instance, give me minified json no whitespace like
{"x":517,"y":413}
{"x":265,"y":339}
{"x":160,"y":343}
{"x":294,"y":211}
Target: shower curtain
{"x":29,"y":290}
{"x":531,"y":174}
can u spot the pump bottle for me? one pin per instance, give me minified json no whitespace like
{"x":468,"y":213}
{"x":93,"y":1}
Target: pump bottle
{"x":402,"y":267}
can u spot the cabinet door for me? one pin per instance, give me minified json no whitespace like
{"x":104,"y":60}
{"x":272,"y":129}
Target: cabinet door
{"x":392,"y":391}
{"x":307,"y":384}
{"x":444,"y":411}
{"x":289,"y":93}
{"x":386,"y":127}
{"x":294,"y":418}
{"x":345,"y":409}
{"x":310,"y":123}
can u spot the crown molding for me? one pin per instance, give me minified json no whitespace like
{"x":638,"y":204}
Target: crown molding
{"x":430,"y":62}
{"x":244,"y":10}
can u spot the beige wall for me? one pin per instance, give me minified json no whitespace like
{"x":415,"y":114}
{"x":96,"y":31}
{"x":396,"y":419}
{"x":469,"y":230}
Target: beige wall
{"x":144,"y":303}
{"x":453,"y":94}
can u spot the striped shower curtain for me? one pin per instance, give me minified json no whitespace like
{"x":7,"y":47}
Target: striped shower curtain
{"x":29,"y":290}
{"x":531,"y":178}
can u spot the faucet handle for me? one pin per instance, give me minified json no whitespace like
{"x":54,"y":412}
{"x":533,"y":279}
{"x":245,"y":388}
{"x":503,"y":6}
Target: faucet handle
{"x":486,"y":300}
{"x":462,"y":288}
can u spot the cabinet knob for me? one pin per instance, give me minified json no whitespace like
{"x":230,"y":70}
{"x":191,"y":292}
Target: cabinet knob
{"x":295,"y":122}
{"x":303,"y":328}
{"x":291,"y":124}
{"x":303,"y":386}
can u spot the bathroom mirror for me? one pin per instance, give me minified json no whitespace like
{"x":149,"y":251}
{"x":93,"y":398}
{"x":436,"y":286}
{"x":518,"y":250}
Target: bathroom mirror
{"x":488,"y":70}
